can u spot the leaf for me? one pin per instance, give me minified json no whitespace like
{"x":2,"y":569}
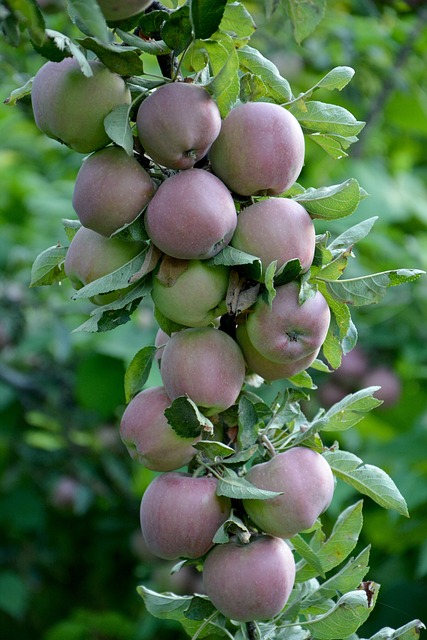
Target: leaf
{"x":28,"y":15}
{"x":177,"y":31}
{"x":233,"y":486}
{"x":410,"y":631}
{"x":225,"y":86}
{"x":66,"y":44}
{"x":337,"y":78}
{"x":248,"y":423}
{"x":335,"y":549}
{"x":352,"y":235}
{"x":287,"y":272}
{"x":367,"y":479}
{"x":153,"y":47}
{"x":206,"y":17}
{"x":232,"y":525}
{"x":200,"y":608}
{"x":19,"y":93}
{"x":118,"y":129}
{"x":185,"y":418}
{"x":252,"y":61}
{"x":305,"y":15}
{"x":237,"y":23}
{"x":350,"y":410}
{"x":138,"y":371}
{"x":71,"y":227}
{"x":119,"y":59}
{"x":346,"y":616}
{"x":116,"y":280}
{"x":334,"y":144}
{"x":213,"y":449}
{"x":370,"y":289}
{"x":307,"y":553}
{"x":48,"y":267}
{"x":252,"y":88}
{"x":331,"y":203}
{"x":88,"y":17}
{"x":326,"y":118}
{"x":232,"y":257}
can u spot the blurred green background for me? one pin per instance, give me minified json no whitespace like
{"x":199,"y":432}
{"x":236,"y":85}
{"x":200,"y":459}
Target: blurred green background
{"x":71,"y":554}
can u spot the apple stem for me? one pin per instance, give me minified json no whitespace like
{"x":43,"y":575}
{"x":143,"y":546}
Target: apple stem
{"x":268,"y":445}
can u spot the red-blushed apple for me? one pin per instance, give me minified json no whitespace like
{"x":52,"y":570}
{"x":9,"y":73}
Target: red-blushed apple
{"x":250,"y":581}
{"x":121,"y":9}
{"x":288,"y":331}
{"x":276,"y":229}
{"x":388,"y":380}
{"x":160,"y":342}
{"x":265,"y":368}
{"x":177,"y":124}
{"x":91,"y":256}
{"x":307,"y":483}
{"x":260,"y":149}
{"x":207,"y":365}
{"x":180,"y":515}
{"x":111,"y":190}
{"x":70,"y":107}
{"x":148,"y":436}
{"x":191,"y":216}
{"x":191,"y":293}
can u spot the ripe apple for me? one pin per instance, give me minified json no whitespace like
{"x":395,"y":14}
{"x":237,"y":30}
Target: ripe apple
{"x":250,"y":581}
{"x":388,"y":380}
{"x":122,"y":9}
{"x":307,"y":483}
{"x":70,"y":107}
{"x":207,"y":365}
{"x":276,"y":229}
{"x":266,"y":368}
{"x":148,"y":436}
{"x":91,"y":256}
{"x":260,"y":149}
{"x":195,"y":297}
{"x":180,"y":515}
{"x":288,"y":331}
{"x":191,"y":216}
{"x":177,"y":124}
{"x":111,"y":190}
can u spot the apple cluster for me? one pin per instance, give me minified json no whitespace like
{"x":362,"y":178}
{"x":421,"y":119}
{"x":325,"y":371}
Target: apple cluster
{"x":200,"y":183}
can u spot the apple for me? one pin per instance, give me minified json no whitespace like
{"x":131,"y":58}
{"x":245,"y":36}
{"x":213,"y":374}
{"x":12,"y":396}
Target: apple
{"x":111,"y":190}
{"x":148,"y":436}
{"x":160,"y":342}
{"x":122,"y":9}
{"x":265,"y":368}
{"x":260,"y":149}
{"x":307,"y":483}
{"x":206,"y":364}
{"x":191,"y":216}
{"x":70,"y":107}
{"x":177,"y":124}
{"x":276,"y":229}
{"x":388,"y":380}
{"x":91,"y":256}
{"x":194,"y":295}
{"x":288,"y":331}
{"x":180,"y":515}
{"x":250,"y":581}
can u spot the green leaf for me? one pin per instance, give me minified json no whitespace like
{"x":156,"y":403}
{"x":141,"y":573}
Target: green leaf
{"x":213,"y":449}
{"x":30,"y":18}
{"x":19,"y":93}
{"x":367,"y":479}
{"x":370,"y":289}
{"x":350,"y":410}
{"x":65,"y":44}
{"x":231,"y":257}
{"x":248,"y":423}
{"x":185,"y":418}
{"x":335,"y":549}
{"x":200,"y":608}
{"x":326,"y":118}
{"x":410,"y":631}
{"x":71,"y":227}
{"x":233,"y":486}
{"x":331,"y":203}
{"x":123,"y":60}
{"x":346,"y":616}
{"x":152,"y":47}
{"x":206,"y":16}
{"x":352,"y":235}
{"x":231,"y":526}
{"x":118,"y":129}
{"x":138,"y":371}
{"x":306,"y":552}
{"x":237,"y":23}
{"x":177,"y":31}
{"x":88,"y":17}
{"x":225,"y":86}
{"x":252,"y":88}
{"x":268,"y":281}
{"x":48,"y":267}
{"x":337,"y":78}
{"x":287,"y":272}
{"x":252,"y":61}
{"x":305,"y":15}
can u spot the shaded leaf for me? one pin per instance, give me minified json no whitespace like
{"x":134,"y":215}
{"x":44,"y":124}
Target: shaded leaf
{"x":137,"y":373}
{"x":252,"y":61}
{"x":65,"y":44}
{"x":118,"y":129}
{"x":232,"y":525}
{"x":185,"y":418}
{"x":237,"y":23}
{"x":225,"y":86}
{"x":233,"y":486}
{"x":88,"y":17}
{"x":206,"y":16}
{"x":48,"y":267}
{"x":119,"y":59}
{"x":305,"y":15}
{"x":248,"y":423}
{"x":177,"y":31}
{"x":213,"y":449}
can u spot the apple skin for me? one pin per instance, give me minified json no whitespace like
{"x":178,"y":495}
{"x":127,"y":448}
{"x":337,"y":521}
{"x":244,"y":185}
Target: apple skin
{"x":122,"y":9}
{"x":265,"y":368}
{"x":180,"y":515}
{"x":276,"y":229}
{"x":207,"y":365}
{"x":91,"y":256}
{"x":197,"y":296}
{"x":288,"y":331}
{"x":307,"y":483}
{"x":191,"y":216}
{"x":111,"y":190}
{"x":148,"y":436}
{"x":388,"y":380}
{"x":260,"y":149}
{"x":177,"y":124}
{"x":70,"y":107}
{"x":250,"y":581}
